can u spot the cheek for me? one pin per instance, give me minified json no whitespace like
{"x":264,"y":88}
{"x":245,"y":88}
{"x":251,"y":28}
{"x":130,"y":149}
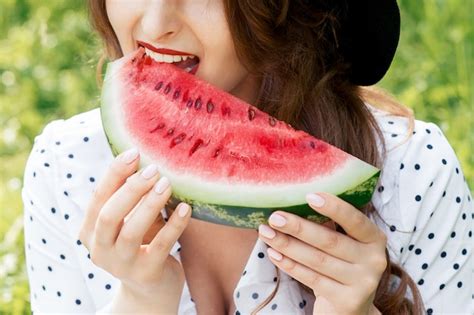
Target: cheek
{"x":122,"y":16}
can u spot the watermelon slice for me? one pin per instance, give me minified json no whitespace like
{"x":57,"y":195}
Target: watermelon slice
{"x":232,"y":162}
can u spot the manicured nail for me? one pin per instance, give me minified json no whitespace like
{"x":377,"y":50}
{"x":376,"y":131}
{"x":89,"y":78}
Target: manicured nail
{"x":266,"y":231}
{"x":277,"y":220}
{"x":162,"y":184}
{"x":315,"y":200}
{"x":129,"y":156}
{"x":274,"y":254}
{"x":183,"y":210}
{"x":150,"y":171}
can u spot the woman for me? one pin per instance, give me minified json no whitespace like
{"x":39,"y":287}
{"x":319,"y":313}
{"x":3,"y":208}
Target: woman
{"x":304,"y":62}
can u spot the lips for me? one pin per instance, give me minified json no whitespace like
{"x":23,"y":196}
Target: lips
{"x":190,"y":65}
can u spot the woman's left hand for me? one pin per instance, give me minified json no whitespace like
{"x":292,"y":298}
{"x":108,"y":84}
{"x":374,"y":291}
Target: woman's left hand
{"x":343,"y":270}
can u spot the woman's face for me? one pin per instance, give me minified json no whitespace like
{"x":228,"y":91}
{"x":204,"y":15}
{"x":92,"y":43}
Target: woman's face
{"x":196,"y":27}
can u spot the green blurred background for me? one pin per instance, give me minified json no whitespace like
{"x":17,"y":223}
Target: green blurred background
{"x":48,"y":55}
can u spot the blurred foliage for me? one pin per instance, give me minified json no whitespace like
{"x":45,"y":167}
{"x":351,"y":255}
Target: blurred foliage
{"x":47,"y":71}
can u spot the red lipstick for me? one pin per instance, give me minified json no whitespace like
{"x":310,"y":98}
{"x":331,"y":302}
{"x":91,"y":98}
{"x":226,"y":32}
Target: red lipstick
{"x":163,"y":50}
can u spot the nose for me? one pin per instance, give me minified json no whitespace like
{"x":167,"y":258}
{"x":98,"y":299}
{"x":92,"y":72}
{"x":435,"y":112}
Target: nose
{"x":160,"y":20}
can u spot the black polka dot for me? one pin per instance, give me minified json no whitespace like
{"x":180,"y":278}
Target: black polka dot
{"x":431,"y":214}
{"x":44,"y":288}
{"x":261,"y":255}
{"x":453,"y":234}
{"x":459,"y":284}
{"x":50,"y":268}
{"x":274,"y":306}
{"x":58,"y":142}
{"x":444,"y":193}
{"x":441,"y":287}
{"x":402,"y":166}
{"x":86,"y":139}
{"x":430,"y":236}
{"x":89,"y":256}
{"x":275,"y":279}
{"x":469,"y":234}
{"x":53,"y":210}
{"x":417,"y":167}
{"x":394,"y":135}
{"x":34,"y":174}
{"x":429,"y":146}
{"x":58,"y":293}
{"x":43,"y":240}
{"x":90,"y":275}
{"x":255,"y":296}
{"x":31,"y":218}
{"x":444,"y":161}
{"x":421,"y":281}
{"x":91,"y":179}
{"x":69,"y":175}
{"x":411,"y":247}
{"x":429,"y":311}
{"x":457,"y":170}
{"x":464,"y":251}
{"x":418,"y":251}
{"x":65,"y":193}
{"x":464,"y":216}
{"x":414,"y":132}
{"x":431,"y":185}
{"x":46,"y":164}
{"x":78,"y":302}
{"x":392,"y":228}
{"x":32,"y":269}
{"x":245,"y":272}
{"x":42,"y":151}
{"x":78,"y":242}
{"x":238,"y":294}
{"x":302,"y":304}
{"x":401,"y":250}
{"x":424,"y":266}
{"x":443,"y":254}
{"x":428,"y":131}
{"x":71,"y":156}
{"x":237,"y":313}
{"x":456,"y":266}
{"x":380,"y":189}
{"x":108,"y":286}
{"x":390,"y":122}
{"x":66,"y":216}
{"x":62,"y":256}
{"x":418,"y":198}
{"x":458,"y":199}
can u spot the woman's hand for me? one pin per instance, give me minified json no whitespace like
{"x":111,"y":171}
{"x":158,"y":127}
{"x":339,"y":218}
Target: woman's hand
{"x":343,"y":270}
{"x":124,"y":210}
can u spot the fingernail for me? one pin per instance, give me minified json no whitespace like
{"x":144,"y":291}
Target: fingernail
{"x":315,"y":200}
{"x":274,"y":254}
{"x":162,"y":184}
{"x":277,"y":220}
{"x":129,"y":156}
{"x":150,"y":171}
{"x":266,"y":231}
{"x":183,"y":210}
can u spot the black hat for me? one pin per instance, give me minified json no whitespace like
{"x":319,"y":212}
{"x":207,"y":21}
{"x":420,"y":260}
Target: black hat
{"x":369,"y":36}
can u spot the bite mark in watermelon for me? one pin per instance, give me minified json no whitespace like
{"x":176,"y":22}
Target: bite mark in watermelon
{"x":233,"y":163}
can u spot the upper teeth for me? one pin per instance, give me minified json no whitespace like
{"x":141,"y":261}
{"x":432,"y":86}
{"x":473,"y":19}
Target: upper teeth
{"x":165,"y":58}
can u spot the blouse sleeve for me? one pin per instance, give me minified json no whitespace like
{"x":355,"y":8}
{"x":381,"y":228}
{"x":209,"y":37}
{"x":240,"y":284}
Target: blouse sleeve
{"x":435,"y":216}
{"x":55,"y":279}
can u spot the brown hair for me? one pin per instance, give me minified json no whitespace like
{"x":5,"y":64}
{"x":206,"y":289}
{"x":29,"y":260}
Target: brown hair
{"x":292,"y":47}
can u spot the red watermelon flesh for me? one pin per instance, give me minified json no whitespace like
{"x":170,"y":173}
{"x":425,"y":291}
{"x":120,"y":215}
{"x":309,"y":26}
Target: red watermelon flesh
{"x":232,"y":162}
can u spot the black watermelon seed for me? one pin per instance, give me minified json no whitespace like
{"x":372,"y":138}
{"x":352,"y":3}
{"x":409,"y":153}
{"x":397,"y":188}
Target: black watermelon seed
{"x":159,"y":85}
{"x":198,"y":103}
{"x":272,"y":122}
{"x":312,"y":144}
{"x":176,"y":93}
{"x":251,"y":114}
{"x":170,"y":131}
{"x":225,"y":111}
{"x":210,"y":107}
{"x":197,"y":144}
{"x":159,"y":126}
{"x":168,"y":88}
{"x":189,"y":103}
{"x":178,"y":139}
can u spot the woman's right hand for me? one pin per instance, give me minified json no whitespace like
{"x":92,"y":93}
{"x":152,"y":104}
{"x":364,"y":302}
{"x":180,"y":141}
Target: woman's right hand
{"x":115,"y":241}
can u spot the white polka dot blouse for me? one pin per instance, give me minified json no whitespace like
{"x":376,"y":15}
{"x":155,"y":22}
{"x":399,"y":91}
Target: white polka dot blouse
{"x":422,"y":197}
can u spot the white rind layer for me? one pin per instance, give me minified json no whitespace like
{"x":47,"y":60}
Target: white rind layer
{"x":186,"y":186}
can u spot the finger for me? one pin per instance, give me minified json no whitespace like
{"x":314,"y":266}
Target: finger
{"x":309,"y":256}
{"x":131,"y":235}
{"x":124,"y":165}
{"x":121,"y":203}
{"x":317,"y":235}
{"x":160,"y":247}
{"x":352,"y":220}
{"x":320,"y":284}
